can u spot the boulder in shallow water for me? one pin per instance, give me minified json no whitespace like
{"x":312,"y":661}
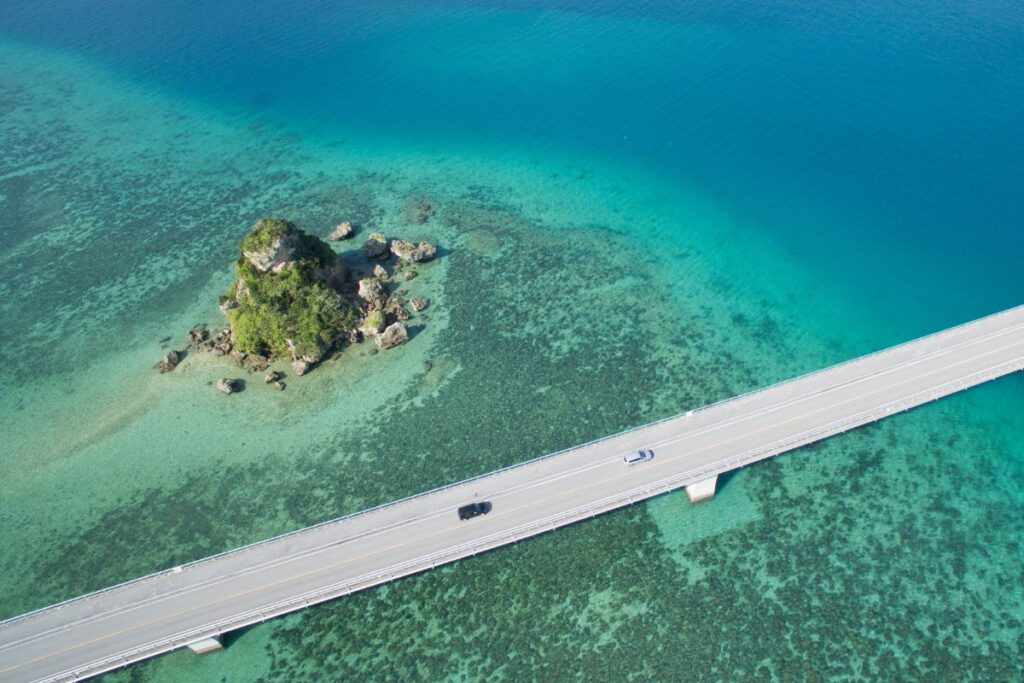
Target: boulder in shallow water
{"x":343,"y":231}
{"x":197,"y":335}
{"x":301,"y":367}
{"x":396,"y":309}
{"x":393,"y":335}
{"x":417,"y":253}
{"x":380,"y":272}
{"x":228,"y":385}
{"x":271,"y":376}
{"x":169,"y":361}
{"x":376,"y":245}
{"x":418,"y":303}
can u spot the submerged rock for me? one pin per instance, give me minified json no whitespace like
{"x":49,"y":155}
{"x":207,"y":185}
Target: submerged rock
{"x":375,"y":246}
{"x":168,"y":362}
{"x":417,"y":253}
{"x":394,"y":335}
{"x":419,"y":210}
{"x":409,"y":274}
{"x":343,"y":231}
{"x":418,"y":303}
{"x":227,"y":385}
{"x":279,"y":385}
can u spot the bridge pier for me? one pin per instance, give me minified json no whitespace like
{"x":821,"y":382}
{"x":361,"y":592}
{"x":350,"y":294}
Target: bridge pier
{"x":206,"y":645}
{"x":702,"y":490}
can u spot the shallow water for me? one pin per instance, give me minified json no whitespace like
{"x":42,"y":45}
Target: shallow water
{"x":641,"y":211}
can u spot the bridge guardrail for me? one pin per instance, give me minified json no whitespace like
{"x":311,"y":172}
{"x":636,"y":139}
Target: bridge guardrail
{"x":540,"y":526}
{"x":169,"y":571}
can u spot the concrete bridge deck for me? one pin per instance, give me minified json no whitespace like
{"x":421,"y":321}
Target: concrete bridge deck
{"x":193,"y":604}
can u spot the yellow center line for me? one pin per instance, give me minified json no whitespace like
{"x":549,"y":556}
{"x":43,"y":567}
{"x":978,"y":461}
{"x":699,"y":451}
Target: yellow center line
{"x":659,"y":463}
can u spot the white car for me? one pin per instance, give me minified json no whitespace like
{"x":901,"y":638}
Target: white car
{"x":633,"y":457}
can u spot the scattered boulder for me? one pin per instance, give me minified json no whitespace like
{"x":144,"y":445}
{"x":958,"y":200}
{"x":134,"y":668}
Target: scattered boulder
{"x":343,"y":231}
{"x":279,"y":385}
{"x":396,"y":309}
{"x":197,"y":335}
{"x":418,"y":303}
{"x":227,"y":385}
{"x":409,"y":274}
{"x":394,"y":335}
{"x":354,"y":336}
{"x":376,"y":245}
{"x":372,"y":291}
{"x":417,"y":253}
{"x":300,"y":367}
{"x":168,"y":362}
{"x":380,"y":272}
{"x":272,"y":376}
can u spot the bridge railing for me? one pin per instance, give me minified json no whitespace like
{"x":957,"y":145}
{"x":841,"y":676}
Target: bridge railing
{"x":540,"y":526}
{"x":173,"y":570}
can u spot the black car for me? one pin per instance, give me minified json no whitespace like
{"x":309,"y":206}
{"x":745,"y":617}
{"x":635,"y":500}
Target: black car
{"x":473,"y":510}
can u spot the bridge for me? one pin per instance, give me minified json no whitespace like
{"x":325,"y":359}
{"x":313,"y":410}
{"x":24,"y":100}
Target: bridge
{"x":193,"y":605}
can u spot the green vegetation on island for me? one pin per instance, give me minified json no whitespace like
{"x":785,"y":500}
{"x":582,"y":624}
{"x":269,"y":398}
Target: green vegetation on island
{"x":294,"y":298}
{"x":291,"y":308}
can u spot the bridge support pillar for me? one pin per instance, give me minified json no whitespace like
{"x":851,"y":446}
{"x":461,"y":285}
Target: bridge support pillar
{"x":206,"y":645}
{"x":702,"y":490}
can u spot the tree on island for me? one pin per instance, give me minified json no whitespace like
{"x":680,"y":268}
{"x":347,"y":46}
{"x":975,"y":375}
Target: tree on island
{"x":293,"y":297}
{"x":286,"y":298}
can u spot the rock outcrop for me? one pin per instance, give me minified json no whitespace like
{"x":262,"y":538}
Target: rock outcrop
{"x":376,"y":245}
{"x":289,"y":297}
{"x":372,"y":324}
{"x":396,"y":309}
{"x":416,"y":253}
{"x":168,"y":362}
{"x":373,"y":292}
{"x":392,"y":336}
{"x":228,"y":385}
{"x":343,"y":231}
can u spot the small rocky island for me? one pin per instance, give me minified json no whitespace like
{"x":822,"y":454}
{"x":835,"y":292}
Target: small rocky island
{"x":294,"y":298}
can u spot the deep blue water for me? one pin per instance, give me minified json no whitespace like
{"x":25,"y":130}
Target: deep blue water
{"x":882,"y":144}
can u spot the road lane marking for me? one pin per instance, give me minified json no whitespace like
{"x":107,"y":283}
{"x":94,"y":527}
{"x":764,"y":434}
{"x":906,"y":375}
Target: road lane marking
{"x":534,"y":503}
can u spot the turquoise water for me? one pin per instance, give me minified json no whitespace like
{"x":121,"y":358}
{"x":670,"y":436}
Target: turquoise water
{"x":643,"y":210}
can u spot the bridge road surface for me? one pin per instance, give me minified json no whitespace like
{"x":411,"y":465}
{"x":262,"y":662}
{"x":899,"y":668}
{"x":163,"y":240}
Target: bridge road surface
{"x":169,"y":610}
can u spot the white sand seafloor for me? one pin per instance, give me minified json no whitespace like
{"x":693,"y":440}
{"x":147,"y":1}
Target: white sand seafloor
{"x":610,"y":295}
